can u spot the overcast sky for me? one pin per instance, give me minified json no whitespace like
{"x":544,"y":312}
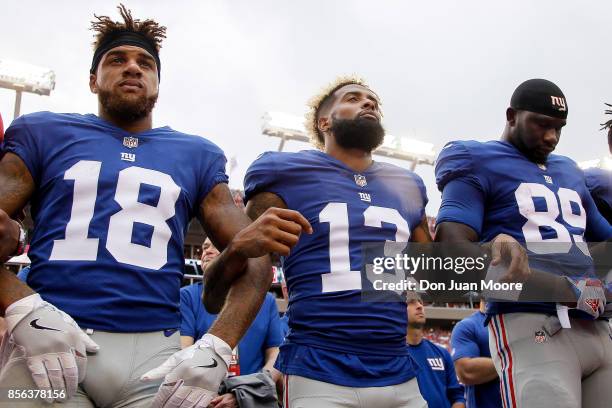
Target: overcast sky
{"x":444,"y":69}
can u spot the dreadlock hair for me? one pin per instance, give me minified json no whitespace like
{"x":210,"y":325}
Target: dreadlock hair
{"x":608,"y":124}
{"x":104,"y":26}
{"x":319,"y":100}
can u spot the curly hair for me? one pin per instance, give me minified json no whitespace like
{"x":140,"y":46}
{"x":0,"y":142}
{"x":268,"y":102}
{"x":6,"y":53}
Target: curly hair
{"x":104,"y":26}
{"x":318,"y":101}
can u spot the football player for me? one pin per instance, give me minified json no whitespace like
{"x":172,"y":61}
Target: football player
{"x":341,"y":351}
{"x":111,"y":200}
{"x":516,"y":186}
{"x":599,"y":181}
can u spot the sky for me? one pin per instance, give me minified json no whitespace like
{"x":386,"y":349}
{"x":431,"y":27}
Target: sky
{"x":445,"y":70}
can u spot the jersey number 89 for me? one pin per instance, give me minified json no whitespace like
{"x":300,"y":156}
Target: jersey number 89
{"x":564,"y":240}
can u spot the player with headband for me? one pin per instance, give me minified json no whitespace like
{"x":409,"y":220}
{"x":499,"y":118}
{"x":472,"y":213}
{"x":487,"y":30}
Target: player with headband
{"x":111,"y":200}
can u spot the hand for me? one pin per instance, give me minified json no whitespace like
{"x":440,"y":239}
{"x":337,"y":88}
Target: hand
{"x":9,"y":236}
{"x":591,"y":295}
{"x":506,"y":249}
{"x":277,"y":230}
{"x":54,"y":345}
{"x":193,"y":375}
{"x":224,"y":401}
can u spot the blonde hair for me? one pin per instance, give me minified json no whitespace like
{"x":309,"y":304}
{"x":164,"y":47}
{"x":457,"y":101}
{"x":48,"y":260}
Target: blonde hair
{"x":315,"y":103}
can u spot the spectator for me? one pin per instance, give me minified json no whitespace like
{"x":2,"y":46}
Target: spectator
{"x":209,"y":252}
{"x":437,"y":379}
{"x":258,"y":348}
{"x":475,"y":369}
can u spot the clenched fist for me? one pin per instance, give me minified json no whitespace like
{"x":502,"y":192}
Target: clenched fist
{"x":276,"y":231}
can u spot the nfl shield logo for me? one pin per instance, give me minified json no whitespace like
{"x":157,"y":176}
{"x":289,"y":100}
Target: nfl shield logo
{"x":540,"y":336}
{"x":360,"y":180}
{"x":130,"y":142}
{"x":542,"y":167}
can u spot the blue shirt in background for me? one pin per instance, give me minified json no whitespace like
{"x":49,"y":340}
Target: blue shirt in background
{"x":23,"y":274}
{"x":470,"y":339}
{"x":437,"y":379}
{"x":264,"y":332}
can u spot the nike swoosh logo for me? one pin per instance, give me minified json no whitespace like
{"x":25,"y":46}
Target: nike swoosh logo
{"x":37,"y":326}
{"x":214,"y":364}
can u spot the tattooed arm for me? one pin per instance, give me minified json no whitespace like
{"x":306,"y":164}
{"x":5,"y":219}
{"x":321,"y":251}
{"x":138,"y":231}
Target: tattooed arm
{"x":16,"y":188}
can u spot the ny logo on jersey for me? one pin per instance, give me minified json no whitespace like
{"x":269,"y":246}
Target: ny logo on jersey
{"x":548,"y":179}
{"x":360,"y":180}
{"x":131,"y":157}
{"x":130,"y":142}
{"x":365,"y":197}
{"x":558,"y":103}
{"x":436,"y":363}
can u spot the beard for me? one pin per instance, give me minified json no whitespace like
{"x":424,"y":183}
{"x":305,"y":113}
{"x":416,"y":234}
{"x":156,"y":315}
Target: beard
{"x":359,"y":133}
{"x":126,"y":109}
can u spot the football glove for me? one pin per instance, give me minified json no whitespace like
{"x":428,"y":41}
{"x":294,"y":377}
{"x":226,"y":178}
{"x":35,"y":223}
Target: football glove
{"x":54,"y":345}
{"x":192,"y":376}
{"x":590,"y":294}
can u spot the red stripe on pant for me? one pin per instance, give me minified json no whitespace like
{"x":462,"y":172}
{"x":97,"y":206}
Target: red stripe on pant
{"x":286,"y":390}
{"x":507,"y":347}
{"x":501,"y":360}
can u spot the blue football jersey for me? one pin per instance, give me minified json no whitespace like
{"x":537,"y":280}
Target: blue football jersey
{"x":493,"y":188}
{"x":110,"y":212}
{"x":470,"y":339}
{"x":334,"y":336}
{"x":599,"y":183}
{"x":437,"y":378}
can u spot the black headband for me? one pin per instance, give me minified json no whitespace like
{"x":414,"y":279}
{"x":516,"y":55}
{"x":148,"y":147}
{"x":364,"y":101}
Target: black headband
{"x":125,"y":38}
{"x":540,"y":96}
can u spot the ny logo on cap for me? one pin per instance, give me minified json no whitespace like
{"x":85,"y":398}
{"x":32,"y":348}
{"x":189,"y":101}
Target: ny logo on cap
{"x":558,"y":103}
{"x":130,"y":142}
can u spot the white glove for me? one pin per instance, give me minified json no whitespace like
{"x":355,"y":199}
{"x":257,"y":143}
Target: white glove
{"x":591,"y":295}
{"x":55,"y":346}
{"x":193,"y":375}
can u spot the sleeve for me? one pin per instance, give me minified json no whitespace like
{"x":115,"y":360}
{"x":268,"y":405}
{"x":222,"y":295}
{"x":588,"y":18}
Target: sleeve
{"x":422,"y":193}
{"x":598,"y":229}
{"x":456,"y":161}
{"x":262,"y":176}
{"x":212,"y":172}
{"x":20,"y":140}
{"x":273,"y":337}
{"x":188,"y":315}
{"x":463,"y":343}
{"x":462,"y":202}
{"x":455,"y":392}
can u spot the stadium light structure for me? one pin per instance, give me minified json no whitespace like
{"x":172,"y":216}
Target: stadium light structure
{"x":290,"y":127}
{"x":603,"y":163}
{"x":21,"y":77}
